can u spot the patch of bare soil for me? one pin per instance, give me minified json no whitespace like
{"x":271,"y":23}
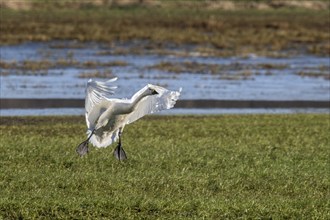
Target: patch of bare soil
{"x":208,"y":4}
{"x":273,"y":4}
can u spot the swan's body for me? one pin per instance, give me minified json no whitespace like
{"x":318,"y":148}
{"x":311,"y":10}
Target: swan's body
{"x":106,"y":117}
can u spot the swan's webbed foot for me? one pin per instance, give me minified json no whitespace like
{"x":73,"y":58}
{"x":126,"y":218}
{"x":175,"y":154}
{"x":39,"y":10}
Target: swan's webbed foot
{"x":82,"y":148}
{"x":119,"y":153}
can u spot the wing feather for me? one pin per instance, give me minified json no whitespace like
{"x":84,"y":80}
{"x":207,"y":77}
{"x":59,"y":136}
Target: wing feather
{"x":96,"y":92}
{"x":165,"y":99}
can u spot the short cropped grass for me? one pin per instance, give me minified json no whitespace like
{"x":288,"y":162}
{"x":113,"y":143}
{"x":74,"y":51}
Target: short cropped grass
{"x":179,"y":167}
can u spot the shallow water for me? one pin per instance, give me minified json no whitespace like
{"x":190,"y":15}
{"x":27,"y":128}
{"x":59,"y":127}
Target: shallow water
{"x":261,"y":84}
{"x":175,"y":111}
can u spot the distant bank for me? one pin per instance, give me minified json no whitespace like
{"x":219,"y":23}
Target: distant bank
{"x":201,"y":103}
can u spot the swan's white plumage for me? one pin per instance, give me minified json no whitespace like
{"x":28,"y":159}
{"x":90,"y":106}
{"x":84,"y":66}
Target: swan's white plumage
{"x":108,"y":115}
{"x":95,"y":93}
{"x":164,"y":100}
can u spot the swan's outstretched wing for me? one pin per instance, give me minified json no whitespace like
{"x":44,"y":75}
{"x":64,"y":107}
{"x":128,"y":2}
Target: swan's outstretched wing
{"x":96,"y":91}
{"x":165,"y":99}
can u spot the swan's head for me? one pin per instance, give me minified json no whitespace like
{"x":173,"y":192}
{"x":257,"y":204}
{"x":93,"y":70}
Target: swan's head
{"x":151,"y":90}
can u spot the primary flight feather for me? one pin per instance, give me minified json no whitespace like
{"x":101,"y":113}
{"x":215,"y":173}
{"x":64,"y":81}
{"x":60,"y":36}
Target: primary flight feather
{"x":106,"y":117}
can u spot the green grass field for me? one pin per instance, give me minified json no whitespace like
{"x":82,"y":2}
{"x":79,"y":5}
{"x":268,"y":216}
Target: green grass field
{"x":179,"y":167}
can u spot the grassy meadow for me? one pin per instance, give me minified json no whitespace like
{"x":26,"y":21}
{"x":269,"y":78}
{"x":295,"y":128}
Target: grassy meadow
{"x":228,"y":32}
{"x":179,"y":167}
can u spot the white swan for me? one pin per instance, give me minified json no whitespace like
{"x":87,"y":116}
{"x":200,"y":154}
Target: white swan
{"x":106,"y":117}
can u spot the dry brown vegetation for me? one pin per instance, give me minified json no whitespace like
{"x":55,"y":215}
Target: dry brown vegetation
{"x":221,"y":32}
{"x":35,"y":65}
{"x":205,"y":4}
{"x":97,"y":74}
{"x":204,"y":68}
{"x":235,"y":71}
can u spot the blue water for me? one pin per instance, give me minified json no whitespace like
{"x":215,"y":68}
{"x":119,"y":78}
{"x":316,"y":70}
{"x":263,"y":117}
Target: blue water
{"x":64,"y":82}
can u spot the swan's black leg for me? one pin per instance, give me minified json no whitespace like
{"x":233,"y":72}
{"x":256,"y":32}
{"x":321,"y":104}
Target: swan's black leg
{"x":82,"y":148}
{"x":119,"y":152}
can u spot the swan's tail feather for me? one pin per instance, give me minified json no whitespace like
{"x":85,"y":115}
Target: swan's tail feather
{"x":103,"y":138}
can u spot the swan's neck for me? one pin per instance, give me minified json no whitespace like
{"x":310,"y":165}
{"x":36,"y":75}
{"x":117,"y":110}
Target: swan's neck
{"x":137,"y":99}
{"x":128,"y":107}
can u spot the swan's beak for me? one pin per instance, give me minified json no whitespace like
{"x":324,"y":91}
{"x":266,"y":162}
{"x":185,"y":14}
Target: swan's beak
{"x":154,"y":92}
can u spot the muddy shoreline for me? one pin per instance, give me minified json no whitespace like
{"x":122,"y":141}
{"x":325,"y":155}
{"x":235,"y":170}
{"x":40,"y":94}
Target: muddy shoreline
{"x":187,"y":104}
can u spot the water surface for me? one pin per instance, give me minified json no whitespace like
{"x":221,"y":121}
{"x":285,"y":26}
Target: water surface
{"x":282,"y":80}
